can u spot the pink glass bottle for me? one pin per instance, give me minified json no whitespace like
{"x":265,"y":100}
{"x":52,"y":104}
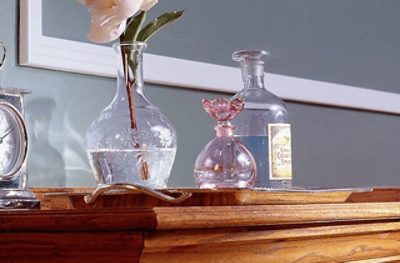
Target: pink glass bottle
{"x":224,"y":162}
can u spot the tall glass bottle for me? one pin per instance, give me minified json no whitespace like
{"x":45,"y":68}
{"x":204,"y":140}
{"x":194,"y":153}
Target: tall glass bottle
{"x":263,"y":125}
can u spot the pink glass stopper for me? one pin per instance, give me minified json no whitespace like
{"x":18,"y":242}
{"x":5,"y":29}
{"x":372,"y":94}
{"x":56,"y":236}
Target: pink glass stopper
{"x":222,"y":109}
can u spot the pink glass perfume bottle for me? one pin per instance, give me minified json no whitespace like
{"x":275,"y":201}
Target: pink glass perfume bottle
{"x":224,"y":162}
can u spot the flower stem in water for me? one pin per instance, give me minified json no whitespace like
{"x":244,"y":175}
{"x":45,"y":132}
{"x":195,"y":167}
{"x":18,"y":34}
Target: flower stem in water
{"x":144,"y":167}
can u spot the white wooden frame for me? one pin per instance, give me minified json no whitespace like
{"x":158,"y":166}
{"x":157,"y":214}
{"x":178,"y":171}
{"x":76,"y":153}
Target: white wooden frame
{"x":41,"y":51}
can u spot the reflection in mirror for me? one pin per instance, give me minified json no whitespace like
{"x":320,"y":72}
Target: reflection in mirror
{"x":48,"y":167}
{"x":344,"y":146}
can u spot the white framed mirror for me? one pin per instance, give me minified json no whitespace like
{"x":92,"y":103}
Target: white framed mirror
{"x":39,"y":50}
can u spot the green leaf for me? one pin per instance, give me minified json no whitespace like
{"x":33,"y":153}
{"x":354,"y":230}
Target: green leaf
{"x":133,"y":27}
{"x":150,"y":29}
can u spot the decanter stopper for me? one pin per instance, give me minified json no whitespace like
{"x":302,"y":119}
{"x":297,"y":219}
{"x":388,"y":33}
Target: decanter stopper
{"x":224,"y":162}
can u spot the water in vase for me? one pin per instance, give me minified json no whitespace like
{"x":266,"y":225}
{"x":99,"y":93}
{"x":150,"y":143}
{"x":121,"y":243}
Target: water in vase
{"x":145,"y":167}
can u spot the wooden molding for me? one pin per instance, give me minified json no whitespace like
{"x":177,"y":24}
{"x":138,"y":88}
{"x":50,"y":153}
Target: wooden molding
{"x":354,"y":225}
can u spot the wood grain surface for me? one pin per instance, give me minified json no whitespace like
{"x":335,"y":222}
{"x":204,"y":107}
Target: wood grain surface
{"x":72,"y":198}
{"x":72,"y":247}
{"x":191,"y":217}
{"x":300,"y":244}
{"x":89,"y":220}
{"x":375,"y":195}
{"x":212,"y":226}
{"x":231,"y":216}
{"x":55,"y":198}
{"x":377,"y":260}
{"x":321,"y":249}
{"x":164,"y":240}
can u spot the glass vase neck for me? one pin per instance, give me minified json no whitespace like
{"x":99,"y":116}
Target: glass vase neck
{"x":130,"y":69}
{"x":252,"y":67}
{"x":224,"y":129}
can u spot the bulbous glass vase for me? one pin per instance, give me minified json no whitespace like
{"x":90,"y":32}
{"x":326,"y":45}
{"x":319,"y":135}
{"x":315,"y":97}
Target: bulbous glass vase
{"x":131,"y":141}
{"x":224,"y":162}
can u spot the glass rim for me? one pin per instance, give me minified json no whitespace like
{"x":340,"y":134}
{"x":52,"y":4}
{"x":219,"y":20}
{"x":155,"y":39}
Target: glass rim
{"x":137,"y":45}
{"x":243,"y":55}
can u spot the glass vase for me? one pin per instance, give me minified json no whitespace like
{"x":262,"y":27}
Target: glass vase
{"x":131,"y":141}
{"x":263,"y":125}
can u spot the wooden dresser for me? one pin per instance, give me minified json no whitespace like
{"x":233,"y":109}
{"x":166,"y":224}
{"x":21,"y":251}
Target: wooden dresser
{"x":210,"y":226}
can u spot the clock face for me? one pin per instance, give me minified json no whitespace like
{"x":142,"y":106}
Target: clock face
{"x":12,"y":141}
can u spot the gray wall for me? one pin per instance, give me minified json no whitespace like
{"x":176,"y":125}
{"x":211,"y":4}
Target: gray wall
{"x":349,"y":42}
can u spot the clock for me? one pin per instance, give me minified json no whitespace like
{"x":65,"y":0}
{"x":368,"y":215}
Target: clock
{"x":13,"y":151}
{"x":13,"y":148}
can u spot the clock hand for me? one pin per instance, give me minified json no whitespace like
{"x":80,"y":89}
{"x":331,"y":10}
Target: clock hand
{"x":5,"y":135}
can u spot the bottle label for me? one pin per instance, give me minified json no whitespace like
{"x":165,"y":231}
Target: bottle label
{"x":280,"y":151}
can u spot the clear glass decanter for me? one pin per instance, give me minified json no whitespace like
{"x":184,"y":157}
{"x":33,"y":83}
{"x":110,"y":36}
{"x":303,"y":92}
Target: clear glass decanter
{"x":131,"y":141}
{"x":224,"y":162}
{"x":263,"y":125}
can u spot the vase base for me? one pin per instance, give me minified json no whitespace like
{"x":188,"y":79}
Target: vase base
{"x":126,"y":166}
